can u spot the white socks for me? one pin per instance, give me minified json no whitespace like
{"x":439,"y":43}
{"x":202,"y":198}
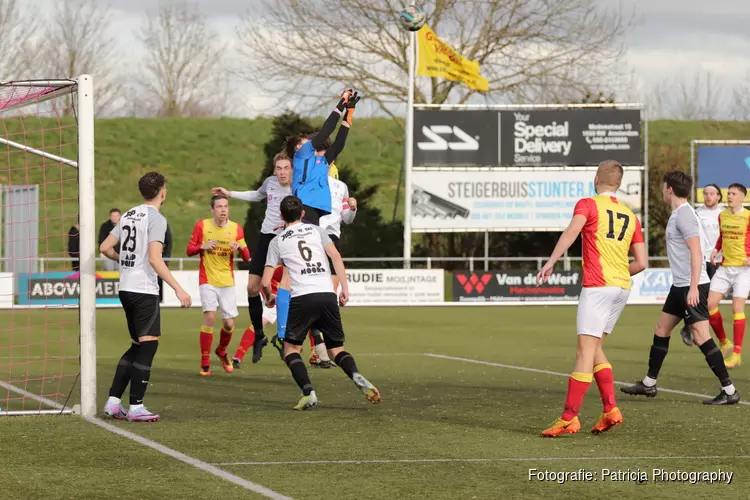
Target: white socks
{"x":730,"y":389}
{"x":322,"y":352}
{"x":648,"y":381}
{"x":114,"y":401}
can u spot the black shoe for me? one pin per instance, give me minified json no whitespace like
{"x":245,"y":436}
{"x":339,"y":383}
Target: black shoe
{"x":236,"y":363}
{"x":325,"y":364}
{"x":724,"y":399}
{"x":639,"y":389}
{"x":278,"y":344}
{"x":258,"y":345}
{"x":687,"y":336}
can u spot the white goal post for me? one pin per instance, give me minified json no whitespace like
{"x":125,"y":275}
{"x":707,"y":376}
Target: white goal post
{"x":30,"y":103}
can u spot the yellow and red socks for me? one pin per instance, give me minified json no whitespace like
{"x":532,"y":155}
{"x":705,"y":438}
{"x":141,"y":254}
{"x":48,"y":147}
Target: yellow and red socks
{"x":717,"y":325}
{"x":739,"y":331}
{"x":578,"y":384}
{"x":246,"y":342}
{"x":225,"y":336}
{"x":605,"y":381}
{"x":206,"y":340}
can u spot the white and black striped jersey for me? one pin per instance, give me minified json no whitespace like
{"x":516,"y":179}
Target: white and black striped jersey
{"x":138,"y":227}
{"x":301,"y":249}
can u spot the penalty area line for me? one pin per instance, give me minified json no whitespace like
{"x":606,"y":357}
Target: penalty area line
{"x":470,"y":460}
{"x":559,"y":374}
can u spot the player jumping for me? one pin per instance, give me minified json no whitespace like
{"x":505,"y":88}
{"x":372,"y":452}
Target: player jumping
{"x":216,"y":240}
{"x":141,"y":232}
{"x":734,"y":273}
{"x":609,"y":230}
{"x":708,"y":214}
{"x":273,"y":189}
{"x":688,"y":296}
{"x":302,"y":248}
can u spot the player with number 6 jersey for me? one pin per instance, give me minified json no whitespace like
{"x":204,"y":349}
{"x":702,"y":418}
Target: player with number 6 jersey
{"x":303,"y":249}
{"x":141,"y":232}
{"x":609,"y":230}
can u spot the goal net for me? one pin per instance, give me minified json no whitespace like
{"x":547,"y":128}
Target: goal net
{"x":47,"y":273}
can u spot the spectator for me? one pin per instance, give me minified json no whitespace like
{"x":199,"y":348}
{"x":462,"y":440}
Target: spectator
{"x":74,"y":246}
{"x":104,"y":230}
{"x":166,"y":253}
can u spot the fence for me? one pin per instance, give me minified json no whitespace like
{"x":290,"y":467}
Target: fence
{"x":472,"y":263}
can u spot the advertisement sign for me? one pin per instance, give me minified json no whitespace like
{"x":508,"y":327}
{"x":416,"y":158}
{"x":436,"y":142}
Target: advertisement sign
{"x":60,"y":288}
{"x":527,"y":137}
{"x":722,"y":165}
{"x":515,"y":286}
{"x":650,"y":286}
{"x":499,"y":200}
{"x":395,"y":286}
{"x":366,"y":287}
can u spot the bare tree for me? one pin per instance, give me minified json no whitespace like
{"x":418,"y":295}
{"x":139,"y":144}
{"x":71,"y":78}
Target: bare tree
{"x":18,"y":27}
{"x":696,"y":96}
{"x":521,"y":45}
{"x":78,"y":41}
{"x":184,"y":61}
{"x":741,"y":100}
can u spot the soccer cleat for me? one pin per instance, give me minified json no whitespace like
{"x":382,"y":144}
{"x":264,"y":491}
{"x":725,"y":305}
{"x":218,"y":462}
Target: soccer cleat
{"x":236,"y":363}
{"x":726,"y":348}
{"x":314,"y":359}
{"x":560,"y":427}
{"x":687,"y":336}
{"x":205,"y":371}
{"x":733,"y":360}
{"x":370,"y":391}
{"x":278,"y":344}
{"x":142,"y":415}
{"x":115,"y":410}
{"x":607,"y":421}
{"x":724,"y":399}
{"x":225,"y":363}
{"x":307,"y":402}
{"x":639,"y":389}
{"x":258,"y":345}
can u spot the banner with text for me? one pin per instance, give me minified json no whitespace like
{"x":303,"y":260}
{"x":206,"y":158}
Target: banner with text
{"x":537,"y":137}
{"x":515,"y":286}
{"x":60,"y":288}
{"x":497,"y":200}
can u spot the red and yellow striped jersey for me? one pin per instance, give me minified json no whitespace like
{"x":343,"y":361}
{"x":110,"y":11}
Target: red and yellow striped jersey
{"x":734,"y":237}
{"x":610,"y":229}
{"x":216,"y":266}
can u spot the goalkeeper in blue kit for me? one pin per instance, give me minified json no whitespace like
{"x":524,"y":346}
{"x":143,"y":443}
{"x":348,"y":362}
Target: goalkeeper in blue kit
{"x":312,"y":156}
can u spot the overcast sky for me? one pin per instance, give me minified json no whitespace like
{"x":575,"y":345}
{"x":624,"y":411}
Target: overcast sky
{"x":672,"y":38}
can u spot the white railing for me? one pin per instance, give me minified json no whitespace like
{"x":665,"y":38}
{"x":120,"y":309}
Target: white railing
{"x":474,"y":263}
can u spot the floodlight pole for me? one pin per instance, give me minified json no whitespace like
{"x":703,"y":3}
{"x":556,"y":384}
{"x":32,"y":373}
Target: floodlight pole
{"x":408,"y":149}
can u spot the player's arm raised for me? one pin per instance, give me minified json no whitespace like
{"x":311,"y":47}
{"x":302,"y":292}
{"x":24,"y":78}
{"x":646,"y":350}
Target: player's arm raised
{"x":338,"y":144}
{"x":567,"y":238}
{"x":638,"y":250}
{"x":252,"y":196}
{"x":319,"y":139}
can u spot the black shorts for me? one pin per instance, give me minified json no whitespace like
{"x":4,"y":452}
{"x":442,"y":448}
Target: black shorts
{"x":143,"y":314}
{"x":335,"y":240}
{"x":676,"y":304}
{"x":260,"y":252}
{"x":318,"y":311}
{"x":711,"y":270}
{"x":313,"y":215}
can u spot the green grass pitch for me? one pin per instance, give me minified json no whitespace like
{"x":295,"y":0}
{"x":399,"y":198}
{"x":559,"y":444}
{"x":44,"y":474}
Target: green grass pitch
{"x":446,"y":429}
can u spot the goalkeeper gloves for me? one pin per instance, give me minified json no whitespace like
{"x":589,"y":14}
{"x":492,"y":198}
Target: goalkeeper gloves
{"x":350,"y":105}
{"x":345,"y":96}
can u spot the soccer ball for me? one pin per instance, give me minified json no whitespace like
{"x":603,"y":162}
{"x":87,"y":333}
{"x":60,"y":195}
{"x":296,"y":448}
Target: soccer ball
{"x":413,"y":18}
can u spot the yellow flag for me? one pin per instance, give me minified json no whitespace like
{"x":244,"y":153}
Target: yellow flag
{"x":437,"y":58}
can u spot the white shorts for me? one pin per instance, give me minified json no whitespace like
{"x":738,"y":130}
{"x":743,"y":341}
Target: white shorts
{"x":269,"y":314}
{"x":731,"y":278}
{"x":224,"y":299}
{"x":599,"y":308}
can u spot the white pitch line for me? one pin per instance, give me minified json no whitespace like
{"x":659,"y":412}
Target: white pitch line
{"x":31,"y":395}
{"x":559,"y":374}
{"x":198,"y":464}
{"x":469,"y":460}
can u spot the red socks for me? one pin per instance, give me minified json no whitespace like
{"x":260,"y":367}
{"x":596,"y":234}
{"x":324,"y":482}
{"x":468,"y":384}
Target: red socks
{"x":578,"y":384}
{"x":206,"y":339}
{"x":739,"y":332}
{"x":605,"y":381}
{"x":247,"y":341}
{"x":224,"y":339}
{"x":717,"y":324}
